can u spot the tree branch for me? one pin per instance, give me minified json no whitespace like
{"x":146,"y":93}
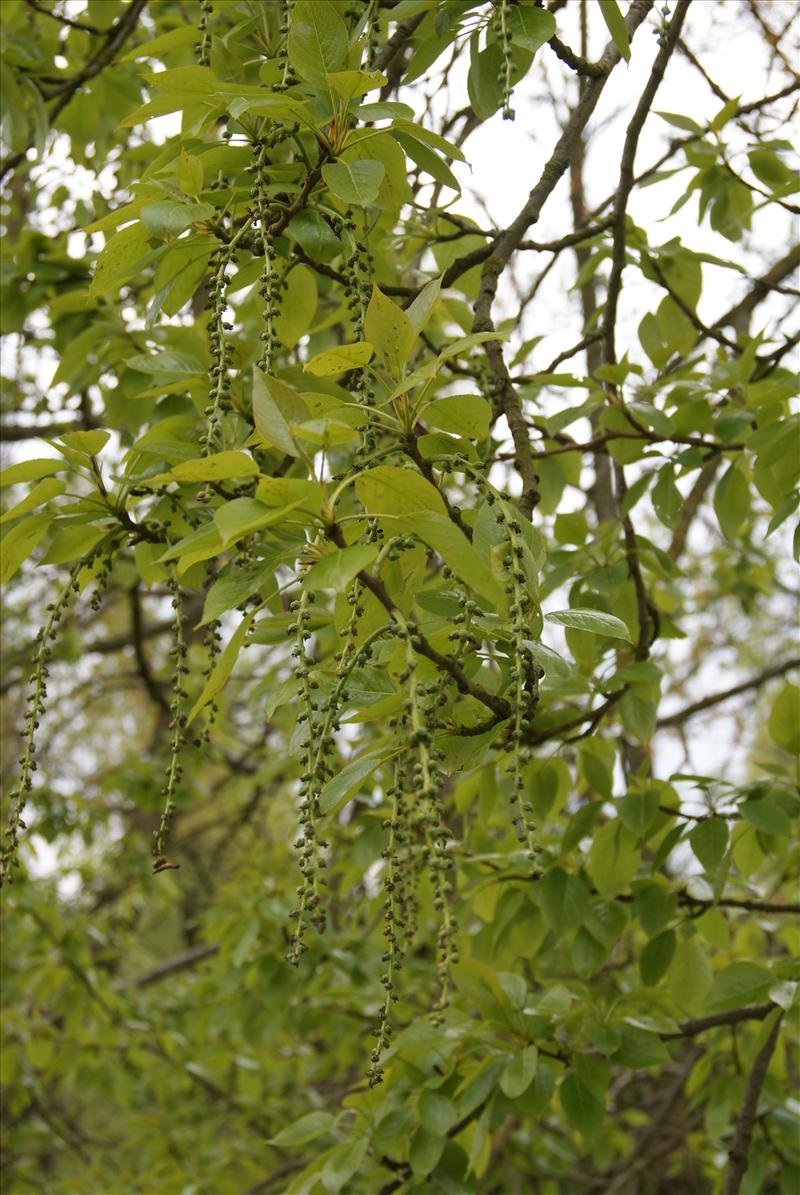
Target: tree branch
{"x":745,"y":1121}
{"x":115,"y":38}
{"x":713,"y":699}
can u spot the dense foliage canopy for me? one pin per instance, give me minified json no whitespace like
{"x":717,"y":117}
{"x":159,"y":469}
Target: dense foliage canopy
{"x":401,"y":484}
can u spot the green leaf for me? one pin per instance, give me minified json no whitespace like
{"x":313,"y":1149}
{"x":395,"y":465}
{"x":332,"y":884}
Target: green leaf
{"x":690,"y":976}
{"x":441,"y":534}
{"x":437,"y":1112}
{"x":223,"y":667}
{"x":740,"y":983}
{"x":170,"y":217}
{"x":425,"y":1151}
{"x":298,"y":306}
{"x":519,"y":1072}
{"x":42,"y":492}
{"x":732,"y":501}
{"x":87,"y":443}
{"x":420,"y":133}
{"x":339,"y":360}
{"x":667,"y":498}
{"x":640,"y":1048}
{"x":275,"y":406}
{"x":389,"y":330}
{"x":220,"y":466}
{"x":390,"y":490}
{"x":709,"y":841}
{"x":351,"y":84}
{"x":18,"y":543}
{"x":681,"y":122}
{"x":189,"y":173}
{"x":637,"y":810}
{"x":344,"y":1160}
{"x":616,"y":26}
{"x":346,"y":783}
{"x":300,"y":493}
{"x":554,"y":665}
{"x":306,"y":1129}
{"x":583,"y":1109}
{"x":118,"y":259}
{"x":244,"y":516}
{"x":228,"y":592}
{"x":337,"y":569}
{"x":314,"y":235}
{"x":656,"y":957}
{"x":427,"y":160}
{"x":770,"y":169}
{"x":356,"y":182}
{"x":466,"y":415}
{"x":594,"y":621}
{"x":419,"y":310}
{"x":185,"y":35}
{"x":68,"y":543}
{"x":767,"y":814}
{"x":165,"y":366}
{"x":30,"y":470}
{"x":784,"y":719}
{"x":564,"y":899}
{"x":476,"y":1088}
{"x":613,"y":858}
{"x":530,"y":27}
{"x":318,"y":41}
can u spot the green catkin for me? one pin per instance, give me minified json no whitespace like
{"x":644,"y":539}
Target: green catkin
{"x":267,"y":288}
{"x":288,"y":77}
{"x":358,"y":269}
{"x":212,"y":643}
{"x":221,"y":353}
{"x":524,"y":674}
{"x":102,"y":580}
{"x":310,"y":910}
{"x":203,"y":48}
{"x":395,"y":916}
{"x":424,"y":770}
{"x":220,"y":349}
{"x":36,"y":701}
{"x":504,"y":41}
{"x":177,"y":725}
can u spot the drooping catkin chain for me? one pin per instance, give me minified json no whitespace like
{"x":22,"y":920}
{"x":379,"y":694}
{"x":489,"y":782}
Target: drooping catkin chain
{"x":177,"y":726}
{"x":37,"y":698}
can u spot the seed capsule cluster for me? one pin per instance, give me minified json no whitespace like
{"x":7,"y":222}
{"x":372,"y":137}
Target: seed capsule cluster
{"x":359,"y":266}
{"x":310,"y":910}
{"x":174,"y":770}
{"x":102,"y":579}
{"x":398,"y":913}
{"x":221,"y":351}
{"x":416,"y":729}
{"x":504,"y":41}
{"x":268,"y":287}
{"x":204,"y":45}
{"x":288,"y":77}
{"x":36,"y":701}
{"x":523,"y":690}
